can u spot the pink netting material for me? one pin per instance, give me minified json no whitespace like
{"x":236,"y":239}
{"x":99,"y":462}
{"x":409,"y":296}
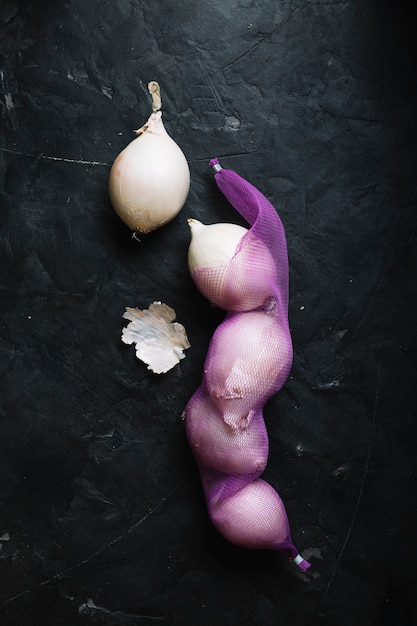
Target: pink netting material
{"x":248,"y":361}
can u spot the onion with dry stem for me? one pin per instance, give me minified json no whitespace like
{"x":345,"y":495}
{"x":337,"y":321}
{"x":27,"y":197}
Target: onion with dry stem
{"x":150,"y":179}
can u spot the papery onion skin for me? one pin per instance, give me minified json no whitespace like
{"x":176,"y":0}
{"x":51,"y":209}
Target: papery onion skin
{"x":150,"y":179}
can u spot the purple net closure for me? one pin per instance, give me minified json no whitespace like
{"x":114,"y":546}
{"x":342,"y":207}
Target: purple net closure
{"x":248,"y":360}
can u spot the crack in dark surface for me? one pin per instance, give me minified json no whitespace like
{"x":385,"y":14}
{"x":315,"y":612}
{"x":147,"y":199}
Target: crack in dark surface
{"x":94,"y":554}
{"x":261,"y":41}
{"x":361,"y":487}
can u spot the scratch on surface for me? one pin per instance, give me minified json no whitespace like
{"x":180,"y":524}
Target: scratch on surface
{"x":8,"y":101}
{"x":54,"y":158}
{"x":261,"y":41}
{"x":212,"y":86}
{"x":90,"y":608}
{"x":303,"y":211}
{"x":83,"y":162}
{"x":232,"y":155}
{"x":93,"y":555}
{"x":371,"y":299}
{"x":361,"y":488}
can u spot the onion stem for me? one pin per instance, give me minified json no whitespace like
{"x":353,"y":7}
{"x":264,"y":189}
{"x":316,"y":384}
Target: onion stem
{"x":155,"y":91}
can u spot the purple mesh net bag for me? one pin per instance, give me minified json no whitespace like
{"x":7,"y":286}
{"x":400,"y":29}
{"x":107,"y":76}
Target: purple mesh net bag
{"x":248,"y":360}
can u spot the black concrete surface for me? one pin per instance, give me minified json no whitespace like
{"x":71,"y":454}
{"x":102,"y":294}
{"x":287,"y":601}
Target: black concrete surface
{"x":102,"y":519}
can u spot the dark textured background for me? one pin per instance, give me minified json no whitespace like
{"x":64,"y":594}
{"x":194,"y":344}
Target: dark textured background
{"x":102,"y":518}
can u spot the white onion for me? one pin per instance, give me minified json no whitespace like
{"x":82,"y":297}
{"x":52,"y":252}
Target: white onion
{"x":239,"y":285}
{"x":212,"y":245}
{"x":150,"y":179}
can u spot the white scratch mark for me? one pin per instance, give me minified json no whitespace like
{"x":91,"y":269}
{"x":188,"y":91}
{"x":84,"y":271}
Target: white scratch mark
{"x":107,"y":91}
{"x":54,"y":158}
{"x":293,"y":15}
{"x":8,"y":100}
{"x":99,"y":551}
{"x":92,"y":609}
